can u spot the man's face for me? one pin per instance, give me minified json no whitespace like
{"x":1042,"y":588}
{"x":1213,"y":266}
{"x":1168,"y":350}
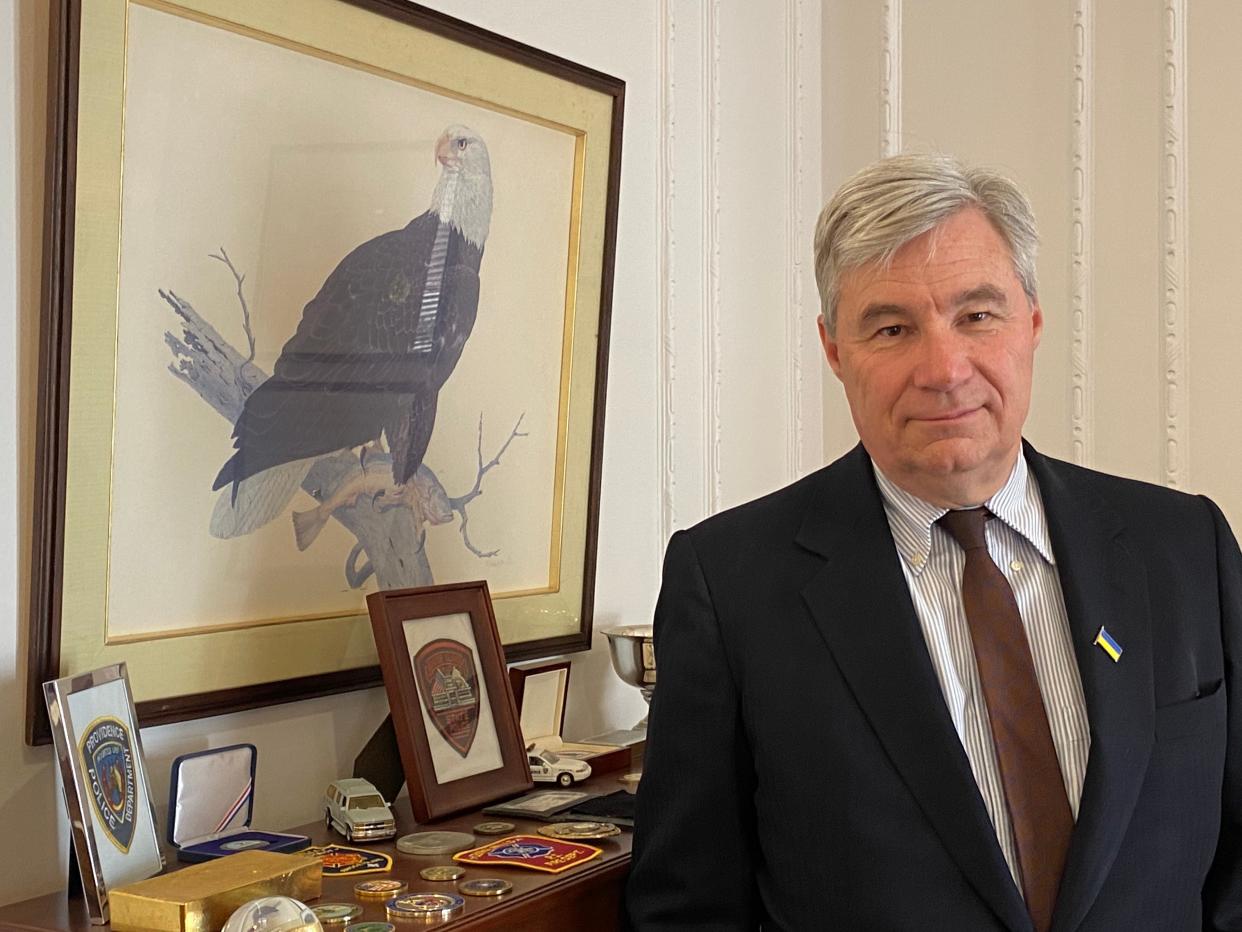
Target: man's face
{"x":935,"y":353}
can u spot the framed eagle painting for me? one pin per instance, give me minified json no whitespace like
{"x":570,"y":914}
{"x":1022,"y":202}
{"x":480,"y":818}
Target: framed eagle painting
{"x":326,"y":313}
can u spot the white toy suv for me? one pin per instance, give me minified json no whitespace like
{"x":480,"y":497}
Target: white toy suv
{"x":356,"y":809}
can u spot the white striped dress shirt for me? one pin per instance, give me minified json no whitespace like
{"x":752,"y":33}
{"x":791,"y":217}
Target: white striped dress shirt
{"x":1019,"y":545}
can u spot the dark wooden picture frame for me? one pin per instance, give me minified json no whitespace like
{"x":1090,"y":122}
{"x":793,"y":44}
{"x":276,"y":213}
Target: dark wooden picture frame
{"x":51,"y":627}
{"x":395,"y":616}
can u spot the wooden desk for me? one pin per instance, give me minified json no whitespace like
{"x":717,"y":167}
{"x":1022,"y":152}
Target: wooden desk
{"x":586,"y":897}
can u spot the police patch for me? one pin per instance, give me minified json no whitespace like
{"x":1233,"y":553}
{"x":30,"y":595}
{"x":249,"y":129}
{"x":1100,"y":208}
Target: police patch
{"x":108,"y":759}
{"x":449,"y":684}
{"x":530,"y":851}
{"x":338,"y":859}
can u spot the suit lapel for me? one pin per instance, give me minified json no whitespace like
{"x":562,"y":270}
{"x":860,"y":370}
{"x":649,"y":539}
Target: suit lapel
{"x":1105,"y":586}
{"x":861,"y":605}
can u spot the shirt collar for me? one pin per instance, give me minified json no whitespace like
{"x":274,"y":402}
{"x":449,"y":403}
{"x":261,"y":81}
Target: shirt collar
{"x":1017,"y":504}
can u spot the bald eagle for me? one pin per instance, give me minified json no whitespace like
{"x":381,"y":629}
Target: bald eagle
{"x":372,"y":351}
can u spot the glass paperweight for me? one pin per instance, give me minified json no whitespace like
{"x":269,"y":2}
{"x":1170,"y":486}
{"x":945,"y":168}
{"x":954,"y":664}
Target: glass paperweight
{"x":273,"y":914}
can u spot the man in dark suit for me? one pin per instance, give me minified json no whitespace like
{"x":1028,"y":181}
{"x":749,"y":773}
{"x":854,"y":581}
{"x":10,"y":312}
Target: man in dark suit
{"x":946,"y":682}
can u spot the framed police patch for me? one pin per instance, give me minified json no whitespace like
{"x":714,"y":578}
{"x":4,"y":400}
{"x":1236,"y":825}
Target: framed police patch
{"x":106,"y":791}
{"x":452,"y":706}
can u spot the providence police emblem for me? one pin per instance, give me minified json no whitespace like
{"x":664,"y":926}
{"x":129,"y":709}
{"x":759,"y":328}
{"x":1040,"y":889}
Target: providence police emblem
{"x":449,"y":685}
{"x":108,"y":758}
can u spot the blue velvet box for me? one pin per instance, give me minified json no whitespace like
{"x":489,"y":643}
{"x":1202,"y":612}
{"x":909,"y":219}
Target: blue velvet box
{"x":211,"y":802}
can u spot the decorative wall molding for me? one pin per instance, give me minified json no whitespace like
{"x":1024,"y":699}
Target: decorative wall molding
{"x":739,"y":404}
{"x":711,"y":266}
{"x":1082,"y":216}
{"x":666,"y":185}
{"x":1174,"y":239}
{"x":795,"y":163}
{"x":890,"y":80}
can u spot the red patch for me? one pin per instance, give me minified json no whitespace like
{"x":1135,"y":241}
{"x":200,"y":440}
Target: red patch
{"x":449,"y":684}
{"x":532,"y":852}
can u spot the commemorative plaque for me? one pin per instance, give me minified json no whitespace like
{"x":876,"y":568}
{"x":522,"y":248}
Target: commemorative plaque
{"x":111,"y":813}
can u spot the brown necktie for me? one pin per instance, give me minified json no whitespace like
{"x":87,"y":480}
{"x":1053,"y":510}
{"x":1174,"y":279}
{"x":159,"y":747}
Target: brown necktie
{"x":1034,"y":788}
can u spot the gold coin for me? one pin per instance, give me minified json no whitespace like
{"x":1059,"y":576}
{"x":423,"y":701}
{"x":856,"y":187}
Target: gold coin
{"x":579,"y":830}
{"x":494,"y":828}
{"x":485,"y":886}
{"x":378,"y":889}
{"x":443,"y":872}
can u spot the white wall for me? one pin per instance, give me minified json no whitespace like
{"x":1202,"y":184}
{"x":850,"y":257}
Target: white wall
{"x":714,"y":382}
{"x":1121,"y":121}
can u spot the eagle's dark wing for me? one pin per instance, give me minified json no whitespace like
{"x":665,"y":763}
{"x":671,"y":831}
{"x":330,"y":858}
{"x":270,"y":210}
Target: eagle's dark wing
{"x":342,"y":376}
{"x":409,"y":431}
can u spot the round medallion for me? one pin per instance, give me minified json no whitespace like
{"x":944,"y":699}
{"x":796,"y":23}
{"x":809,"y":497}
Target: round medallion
{"x":424,"y":905}
{"x":434,"y":843}
{"x":336,"y":913}
{"x":378,"y":889}
{"x":484,"y":886}
{"x":579,"y":831}
{"x":243,"y":844}
{"x":494,"y":828}
{"x":442,"y":872}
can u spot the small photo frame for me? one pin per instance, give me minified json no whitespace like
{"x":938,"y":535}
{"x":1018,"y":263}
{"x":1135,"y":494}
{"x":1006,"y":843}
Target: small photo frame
{"x":107,"y":796}
{"x":452,"y":708}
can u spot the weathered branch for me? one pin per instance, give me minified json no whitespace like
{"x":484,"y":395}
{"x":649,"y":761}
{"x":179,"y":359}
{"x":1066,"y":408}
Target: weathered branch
{"x":223,"y":378}
{"x":241,"y":298}
{"x":206,"y":362}
{"x":459,"y":503}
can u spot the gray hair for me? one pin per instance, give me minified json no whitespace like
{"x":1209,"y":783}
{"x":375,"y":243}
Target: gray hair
{"x":896,"y":199}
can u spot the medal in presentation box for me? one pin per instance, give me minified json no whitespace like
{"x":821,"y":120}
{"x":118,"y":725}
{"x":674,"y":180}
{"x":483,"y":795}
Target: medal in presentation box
{"x":211,"y":803}
{"x":540,"y":691}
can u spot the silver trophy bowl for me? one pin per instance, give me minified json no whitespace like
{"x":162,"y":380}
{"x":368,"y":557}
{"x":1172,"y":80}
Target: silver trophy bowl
{"x":633,"y":657}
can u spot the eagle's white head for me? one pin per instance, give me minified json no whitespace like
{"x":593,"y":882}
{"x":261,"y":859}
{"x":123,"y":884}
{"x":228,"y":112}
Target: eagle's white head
{"x":463,"y":195}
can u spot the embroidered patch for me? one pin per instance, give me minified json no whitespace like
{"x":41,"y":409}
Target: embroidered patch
{"x":108,"y":759}
{"x":449,"y":685}
{"x":531,"y":851}
{"x":338,"y":859}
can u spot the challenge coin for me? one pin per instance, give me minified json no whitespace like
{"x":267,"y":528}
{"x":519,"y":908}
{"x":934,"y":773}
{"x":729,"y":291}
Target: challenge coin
{"x":243,"y":844}
{"x":424,"y":906}
{"x":378,"y":889}
{"x":442,"y":872}
{"x":434,"y":843}
{"x":494,"y":828}
{"x":332,"y":914}
{"x":484,"y":886}
{"x":579,"y":831}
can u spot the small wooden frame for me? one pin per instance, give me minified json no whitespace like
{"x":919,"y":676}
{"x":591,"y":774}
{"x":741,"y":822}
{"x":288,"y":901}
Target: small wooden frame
{"x":452,"y":708}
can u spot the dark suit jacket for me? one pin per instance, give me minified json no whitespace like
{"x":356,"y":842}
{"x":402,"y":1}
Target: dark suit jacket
{"x":802,"y":770}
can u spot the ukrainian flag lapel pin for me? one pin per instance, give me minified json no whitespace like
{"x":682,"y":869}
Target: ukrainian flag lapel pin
{"x":1107,"y":643}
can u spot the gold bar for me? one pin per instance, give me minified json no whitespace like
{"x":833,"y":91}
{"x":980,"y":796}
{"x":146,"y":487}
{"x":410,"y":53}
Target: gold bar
{"x":200,"y":898}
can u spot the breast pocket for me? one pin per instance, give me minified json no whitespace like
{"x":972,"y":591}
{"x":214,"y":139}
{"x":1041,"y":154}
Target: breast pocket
{"x":1192,"y":717}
